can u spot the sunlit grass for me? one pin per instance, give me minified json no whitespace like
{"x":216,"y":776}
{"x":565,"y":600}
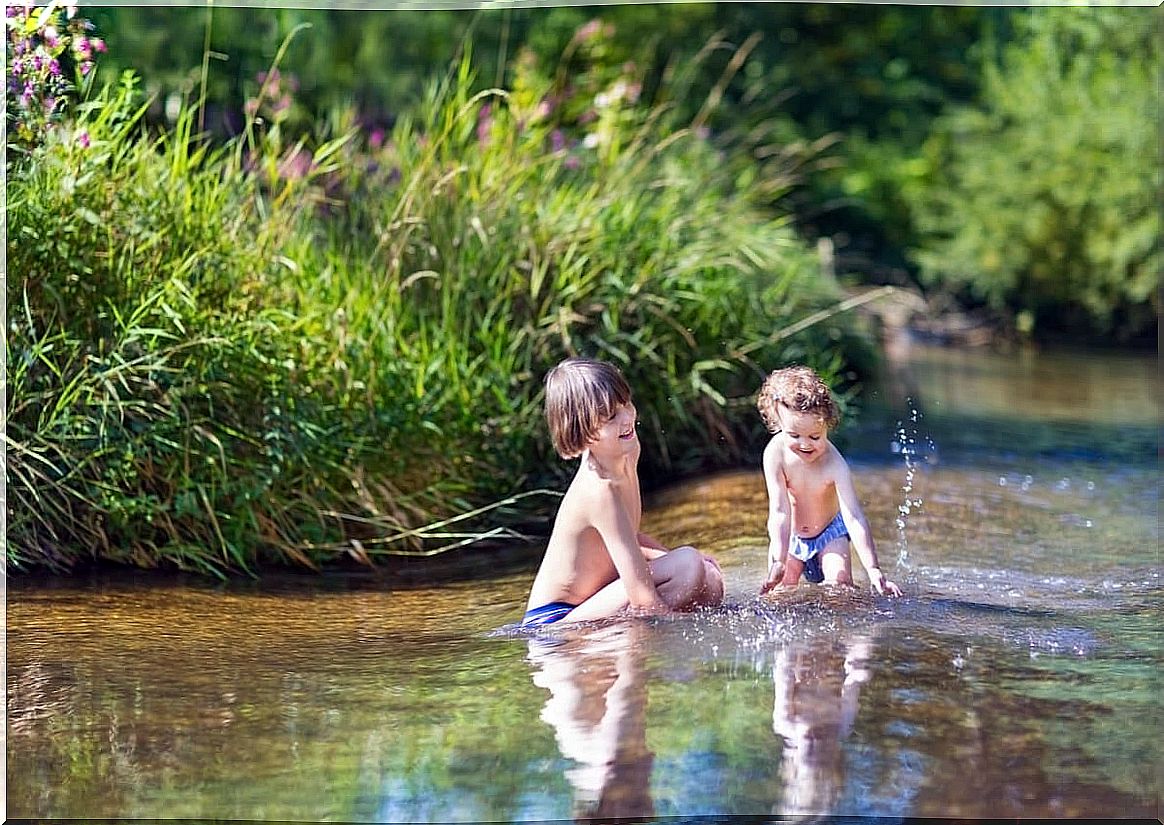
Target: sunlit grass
{"x":214,"y":363}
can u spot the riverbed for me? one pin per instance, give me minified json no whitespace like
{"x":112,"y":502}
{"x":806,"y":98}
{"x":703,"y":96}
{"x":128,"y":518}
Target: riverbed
{"x":1014,"y":498}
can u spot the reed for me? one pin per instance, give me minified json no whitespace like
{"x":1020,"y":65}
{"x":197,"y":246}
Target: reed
{"x":217,"y":362}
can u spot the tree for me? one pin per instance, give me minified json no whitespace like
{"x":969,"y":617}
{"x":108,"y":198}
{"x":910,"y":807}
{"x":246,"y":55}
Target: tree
{"x":1043,"y":200}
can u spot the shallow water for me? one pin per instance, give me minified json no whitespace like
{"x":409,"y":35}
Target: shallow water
{"x":1017,"y":678}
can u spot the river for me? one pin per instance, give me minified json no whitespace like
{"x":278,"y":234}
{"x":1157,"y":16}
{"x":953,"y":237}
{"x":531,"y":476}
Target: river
{"x":1014,"y":498}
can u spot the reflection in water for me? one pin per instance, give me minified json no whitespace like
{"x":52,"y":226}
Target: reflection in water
{"x":1018,"y":679}
{"x":817,"y":683}
{"x":597,"y":708}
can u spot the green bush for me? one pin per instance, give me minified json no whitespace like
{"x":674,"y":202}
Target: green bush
{"x":1044,"y":201}
{"x":225,"y":356}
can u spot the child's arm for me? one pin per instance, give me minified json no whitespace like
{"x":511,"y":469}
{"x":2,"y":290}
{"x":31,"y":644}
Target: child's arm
{"x":779,"y":516}
{"x":618,"y":534}
{"x":859,"y":532}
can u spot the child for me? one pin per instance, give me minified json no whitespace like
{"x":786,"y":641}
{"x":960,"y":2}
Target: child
{"x":812,"y":507}
{"x":597,"y":563}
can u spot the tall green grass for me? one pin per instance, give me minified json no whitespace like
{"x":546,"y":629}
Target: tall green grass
{"x":215,"y":364}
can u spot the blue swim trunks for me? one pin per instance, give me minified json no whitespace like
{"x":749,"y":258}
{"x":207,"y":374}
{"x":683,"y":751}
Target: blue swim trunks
{"x":546,"y":614}
{"x":808,"y":550}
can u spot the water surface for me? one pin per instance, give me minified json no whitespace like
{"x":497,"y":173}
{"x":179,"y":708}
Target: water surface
{"x":1017,"y":678}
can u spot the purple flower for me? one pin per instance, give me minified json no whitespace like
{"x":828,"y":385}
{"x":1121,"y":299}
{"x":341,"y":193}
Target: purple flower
{"x":54,"y":68}
{"x":83,"y":140}
{"x":17,"y":67}
{"x":376,"y":138}
{"x":484,"y":122}
{"x":557,"y":140}
{"x":86,"y":67}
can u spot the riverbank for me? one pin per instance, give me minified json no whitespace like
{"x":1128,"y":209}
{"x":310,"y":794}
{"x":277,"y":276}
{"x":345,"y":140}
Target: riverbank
{"x":260,"y":363}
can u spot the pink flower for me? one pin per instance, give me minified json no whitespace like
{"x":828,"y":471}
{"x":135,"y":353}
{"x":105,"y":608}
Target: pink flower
{"x":376,"y":138}
{"x":83,"y":140}
{"x":588,"y":31}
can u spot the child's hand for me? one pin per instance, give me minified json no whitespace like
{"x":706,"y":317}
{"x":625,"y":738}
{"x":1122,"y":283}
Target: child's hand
{"x":883,"y":585}
{"x":642,"y":611}
{"x":775,"y":576}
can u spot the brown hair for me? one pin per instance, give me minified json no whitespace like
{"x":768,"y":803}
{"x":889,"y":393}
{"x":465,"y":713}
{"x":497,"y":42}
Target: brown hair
{"x":581,"y":395}
{"x":797,"y":388}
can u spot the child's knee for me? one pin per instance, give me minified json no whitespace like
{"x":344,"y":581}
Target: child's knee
{"x":841,"y":576}
{"x":687,"y":557}
{"x":689,"y":568}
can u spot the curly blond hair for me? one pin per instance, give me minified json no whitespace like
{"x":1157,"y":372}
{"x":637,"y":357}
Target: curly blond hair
{"x":797,"y":388}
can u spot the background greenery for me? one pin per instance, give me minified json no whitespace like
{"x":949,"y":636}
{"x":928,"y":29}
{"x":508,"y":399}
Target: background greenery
{"x":288,"y":296}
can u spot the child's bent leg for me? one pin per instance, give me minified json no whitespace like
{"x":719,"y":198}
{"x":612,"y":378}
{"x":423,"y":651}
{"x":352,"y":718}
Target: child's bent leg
{"x":684,"y":579}
{"x":836,"y":563}
{"x":681,"y":576}
{"x":793,"y":568}
{"x":713,"y":582}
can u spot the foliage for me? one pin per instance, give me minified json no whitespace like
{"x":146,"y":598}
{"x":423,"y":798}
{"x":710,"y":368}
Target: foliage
{"x":49,"y":59}
{"x":306,"y":351}
{"x":151,"y":414}
{"x":1044,"y":200}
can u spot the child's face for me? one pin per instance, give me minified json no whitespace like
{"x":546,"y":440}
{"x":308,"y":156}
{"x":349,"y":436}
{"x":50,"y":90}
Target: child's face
{"x":804,"y":433}
{"x":618,"y":432}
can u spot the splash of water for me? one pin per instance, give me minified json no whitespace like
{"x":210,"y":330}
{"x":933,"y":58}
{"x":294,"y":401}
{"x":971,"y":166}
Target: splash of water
{"x":907,"y":439}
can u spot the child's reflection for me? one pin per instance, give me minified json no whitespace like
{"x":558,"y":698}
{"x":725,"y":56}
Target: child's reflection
{"x":597,"y":708}
{"x":817,"y":682}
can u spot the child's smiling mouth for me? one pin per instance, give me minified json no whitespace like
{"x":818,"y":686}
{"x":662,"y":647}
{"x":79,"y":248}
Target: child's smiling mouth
{"x":628,"y":434}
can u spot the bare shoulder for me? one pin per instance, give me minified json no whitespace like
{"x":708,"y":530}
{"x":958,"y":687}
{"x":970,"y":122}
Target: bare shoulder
{"x":773,"y":454}
{"x":590,"y":499}
{"x":837,"y":467}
